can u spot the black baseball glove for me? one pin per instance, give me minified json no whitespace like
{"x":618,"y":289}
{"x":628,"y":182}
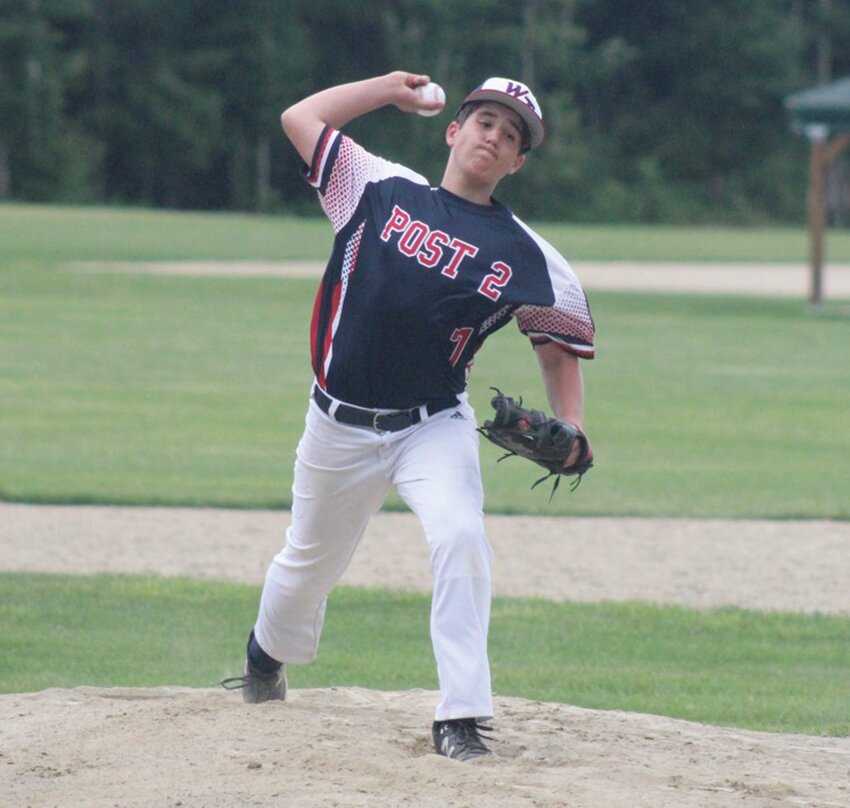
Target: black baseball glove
{"x":537,"y":437}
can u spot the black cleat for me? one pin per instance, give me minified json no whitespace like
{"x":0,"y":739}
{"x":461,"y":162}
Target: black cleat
{"x":257,"y":686}
{"x":458,"y":738}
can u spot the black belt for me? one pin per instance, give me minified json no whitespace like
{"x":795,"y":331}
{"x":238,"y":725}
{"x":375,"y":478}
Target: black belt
{"x":379,"y":420}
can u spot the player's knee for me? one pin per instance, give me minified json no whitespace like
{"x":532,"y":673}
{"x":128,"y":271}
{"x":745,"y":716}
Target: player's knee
{"x":459,"y":548}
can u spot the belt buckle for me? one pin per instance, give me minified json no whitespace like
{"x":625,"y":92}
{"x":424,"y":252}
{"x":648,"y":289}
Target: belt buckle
{"x":395,"y":420}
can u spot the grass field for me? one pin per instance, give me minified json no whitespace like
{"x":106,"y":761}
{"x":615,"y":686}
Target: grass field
{"x":55,"y":233}
{"x":776,"y":672}
{"x":139,"y":389}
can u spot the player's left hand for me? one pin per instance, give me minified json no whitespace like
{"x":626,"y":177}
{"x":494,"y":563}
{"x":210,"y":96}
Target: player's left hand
{"x":578,"y":453}
{"x":560,"y":448}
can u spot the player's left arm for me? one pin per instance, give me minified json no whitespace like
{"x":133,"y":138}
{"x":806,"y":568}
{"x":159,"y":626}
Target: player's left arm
{"x":564,"y":384}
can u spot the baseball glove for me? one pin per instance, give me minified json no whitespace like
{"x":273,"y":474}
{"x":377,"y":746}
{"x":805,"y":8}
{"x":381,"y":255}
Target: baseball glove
{"x":537,"y":437}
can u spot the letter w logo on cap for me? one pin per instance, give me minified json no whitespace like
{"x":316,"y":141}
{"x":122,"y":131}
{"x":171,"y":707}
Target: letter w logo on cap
{"x":520,"y":92}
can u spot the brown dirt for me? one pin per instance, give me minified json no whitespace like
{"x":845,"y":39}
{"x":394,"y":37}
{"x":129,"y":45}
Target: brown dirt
{"x":780,"y":280}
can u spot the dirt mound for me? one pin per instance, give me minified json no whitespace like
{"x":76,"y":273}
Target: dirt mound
{"x":352,"y":747}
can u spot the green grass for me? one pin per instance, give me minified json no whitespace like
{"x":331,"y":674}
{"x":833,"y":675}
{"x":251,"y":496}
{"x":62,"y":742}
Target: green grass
{"x":148,"y":390}
{"x":57,"y":233}
{"x":691,"y":244}
{"x":775,"y":671}
{"x":141,"y":389}
{"x":48,"y":233}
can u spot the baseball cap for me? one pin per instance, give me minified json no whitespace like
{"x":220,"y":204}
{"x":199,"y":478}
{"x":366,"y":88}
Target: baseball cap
{"x":516,"y":96}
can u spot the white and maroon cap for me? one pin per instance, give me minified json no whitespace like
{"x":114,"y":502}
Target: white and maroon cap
{"x":516,"y":96}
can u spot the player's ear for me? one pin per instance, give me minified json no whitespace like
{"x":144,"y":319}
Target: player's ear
{"x":451,"y":133}
{"x":518,"y":163}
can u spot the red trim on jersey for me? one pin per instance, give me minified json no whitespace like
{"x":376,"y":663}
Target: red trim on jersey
{"x":329,"y":333}
{"x":314,"y":174}
{"x":314,"y":331}
{"x":321,"y":358}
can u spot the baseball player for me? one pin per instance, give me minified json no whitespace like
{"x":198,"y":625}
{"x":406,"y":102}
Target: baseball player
{"x":419,"y":277}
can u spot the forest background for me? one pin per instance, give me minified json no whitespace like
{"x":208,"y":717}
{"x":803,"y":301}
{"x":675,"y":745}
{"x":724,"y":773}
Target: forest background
{"x":657,"y":110}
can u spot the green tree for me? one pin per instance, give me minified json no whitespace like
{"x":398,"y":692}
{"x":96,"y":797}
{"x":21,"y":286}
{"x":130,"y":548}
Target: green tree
{"x":269,"y":67}
{"x":695,"y":103}
{"x":156,"y":103}
{"x":44,"y":154}
{"x":656,"y":110}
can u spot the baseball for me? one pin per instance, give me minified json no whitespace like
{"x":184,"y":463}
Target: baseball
{"x":428,"y":93}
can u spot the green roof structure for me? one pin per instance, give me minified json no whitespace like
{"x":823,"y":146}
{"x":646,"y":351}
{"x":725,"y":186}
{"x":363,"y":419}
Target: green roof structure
{"x":825,"y":108}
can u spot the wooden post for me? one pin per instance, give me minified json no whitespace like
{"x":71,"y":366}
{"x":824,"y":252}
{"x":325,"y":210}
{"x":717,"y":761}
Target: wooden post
{"x":817,"y":217}
{"x":822,"y":155}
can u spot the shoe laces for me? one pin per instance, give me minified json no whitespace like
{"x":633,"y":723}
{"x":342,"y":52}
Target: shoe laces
{"x":477,"y":729}
{"x":253,"y":676}
{"x":470,"y":733}
{"x":234,"y":682}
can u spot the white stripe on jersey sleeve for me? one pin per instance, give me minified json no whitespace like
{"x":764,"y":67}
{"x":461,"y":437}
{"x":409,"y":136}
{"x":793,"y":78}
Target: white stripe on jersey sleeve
{"x":323,"y":151}
{"x":352,"y":170}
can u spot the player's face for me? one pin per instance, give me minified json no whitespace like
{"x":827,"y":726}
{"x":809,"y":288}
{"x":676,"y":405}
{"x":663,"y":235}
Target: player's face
{"x":487,"y":143}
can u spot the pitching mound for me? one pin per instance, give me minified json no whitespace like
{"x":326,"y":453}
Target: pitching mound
{"x":352,"y":747}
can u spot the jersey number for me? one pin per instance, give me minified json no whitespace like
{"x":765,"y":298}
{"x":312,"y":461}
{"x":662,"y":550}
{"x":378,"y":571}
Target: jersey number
{"x":460,"y":336}
{"x":493,"y":283}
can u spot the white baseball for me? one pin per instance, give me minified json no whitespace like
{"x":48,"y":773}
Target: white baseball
{"x":431,"y":92}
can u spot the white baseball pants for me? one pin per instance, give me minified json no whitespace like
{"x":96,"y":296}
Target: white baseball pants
{"x":342,"y":476}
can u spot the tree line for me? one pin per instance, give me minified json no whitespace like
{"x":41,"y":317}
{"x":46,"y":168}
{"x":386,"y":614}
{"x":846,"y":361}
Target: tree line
{"x":656,"y":110}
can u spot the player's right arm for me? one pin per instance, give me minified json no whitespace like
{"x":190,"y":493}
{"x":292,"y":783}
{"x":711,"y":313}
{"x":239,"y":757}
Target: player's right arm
{"x":304,"y":121}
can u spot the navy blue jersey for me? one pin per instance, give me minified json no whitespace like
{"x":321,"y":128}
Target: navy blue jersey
{"x":419,"y":278}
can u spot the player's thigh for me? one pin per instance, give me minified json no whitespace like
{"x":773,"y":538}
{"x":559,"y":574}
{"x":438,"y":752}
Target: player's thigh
{"x":337,"y":461}
{"x":439,"y":459}
{"x":439,"y":478}
{"x":340,"y":481}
